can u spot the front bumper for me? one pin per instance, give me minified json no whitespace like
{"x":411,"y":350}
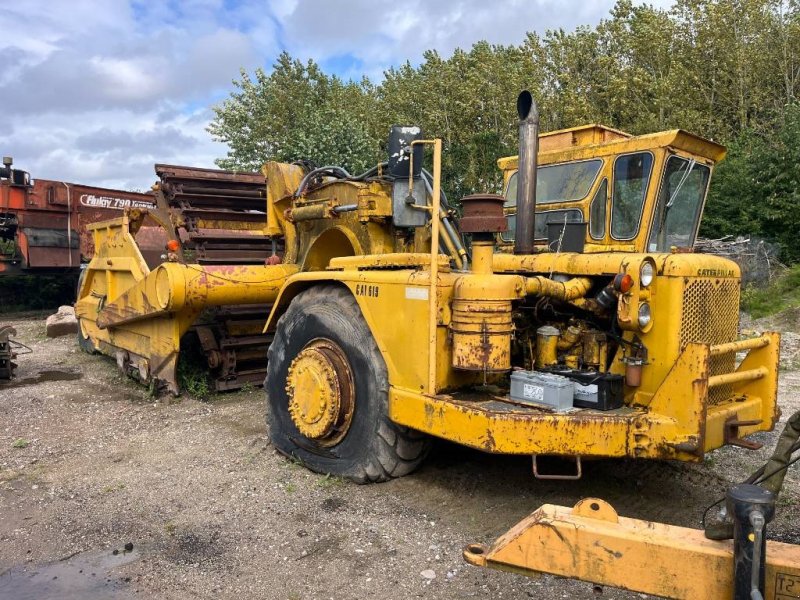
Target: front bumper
{"x":677,"y":423}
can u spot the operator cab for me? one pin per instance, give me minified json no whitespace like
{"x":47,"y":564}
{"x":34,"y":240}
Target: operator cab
{"x":617,"y":191}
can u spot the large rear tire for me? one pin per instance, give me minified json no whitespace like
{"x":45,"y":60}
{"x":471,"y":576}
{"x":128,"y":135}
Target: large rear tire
{"x":327,"y":392}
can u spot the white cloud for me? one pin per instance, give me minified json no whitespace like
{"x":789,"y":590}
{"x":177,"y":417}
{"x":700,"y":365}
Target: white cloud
{"x":381,"y":34}
{"x":96,"y":92}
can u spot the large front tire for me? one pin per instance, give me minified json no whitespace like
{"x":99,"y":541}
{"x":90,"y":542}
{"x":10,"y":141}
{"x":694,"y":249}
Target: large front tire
{"x":322,"y":341}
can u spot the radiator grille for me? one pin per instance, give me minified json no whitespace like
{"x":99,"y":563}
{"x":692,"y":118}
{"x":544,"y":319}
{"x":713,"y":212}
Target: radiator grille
{"x":711,"y":315}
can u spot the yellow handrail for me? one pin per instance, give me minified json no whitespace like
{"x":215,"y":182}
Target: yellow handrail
{"x":749,"y":344}
{"x":737,"y":376}
{"x":434,"y":265}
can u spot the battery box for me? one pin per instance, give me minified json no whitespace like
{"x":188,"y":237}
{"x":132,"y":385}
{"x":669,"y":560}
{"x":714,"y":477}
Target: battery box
{"x":542,"y":389}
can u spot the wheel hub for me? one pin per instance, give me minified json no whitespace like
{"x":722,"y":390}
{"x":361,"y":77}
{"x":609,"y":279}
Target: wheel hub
{"x":319,"y":386}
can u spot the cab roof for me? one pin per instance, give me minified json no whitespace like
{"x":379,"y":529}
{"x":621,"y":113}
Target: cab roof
{"x":588,"y":141}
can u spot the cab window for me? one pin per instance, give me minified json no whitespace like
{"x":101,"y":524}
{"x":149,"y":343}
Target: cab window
{"x":565,"y":182}
{"x":597,"y":212}
{"x":680,"y":200}
{"x":631,"y":177}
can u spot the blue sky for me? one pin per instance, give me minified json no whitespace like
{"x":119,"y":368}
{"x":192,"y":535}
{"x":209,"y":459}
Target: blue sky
{"x":97,"y":91}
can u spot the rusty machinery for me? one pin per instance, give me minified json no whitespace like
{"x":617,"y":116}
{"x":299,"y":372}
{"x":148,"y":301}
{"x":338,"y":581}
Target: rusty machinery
{"x":9,"y":349}
{"x":43,"y":222}
{"x":567,"y":317}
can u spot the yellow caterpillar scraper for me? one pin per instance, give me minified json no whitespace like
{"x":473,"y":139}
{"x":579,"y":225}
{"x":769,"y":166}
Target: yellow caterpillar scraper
{"x":568,"y":317}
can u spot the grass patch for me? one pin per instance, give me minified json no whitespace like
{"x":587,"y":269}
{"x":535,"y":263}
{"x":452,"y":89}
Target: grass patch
{"x":20,"y":443}
{"x":782,"y":293}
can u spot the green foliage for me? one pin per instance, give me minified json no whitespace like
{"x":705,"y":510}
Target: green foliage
{"x":780,"y":294}
{"x":296,"y":112}
{"x":36,"y":292}
{"x":728,"y":70}
{"x":757,"y":188}
{"x":20,"y":443}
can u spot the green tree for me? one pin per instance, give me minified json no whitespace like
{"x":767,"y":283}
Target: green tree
{"x":756,"y":190}
{"x":296,"y":112}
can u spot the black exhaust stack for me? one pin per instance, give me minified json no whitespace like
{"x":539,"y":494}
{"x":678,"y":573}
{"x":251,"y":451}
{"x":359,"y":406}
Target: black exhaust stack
{"x":526,"y":173}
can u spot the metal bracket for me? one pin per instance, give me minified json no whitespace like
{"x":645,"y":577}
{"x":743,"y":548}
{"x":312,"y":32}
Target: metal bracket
{"x":731,"y":433}
{"x":578,"y":470}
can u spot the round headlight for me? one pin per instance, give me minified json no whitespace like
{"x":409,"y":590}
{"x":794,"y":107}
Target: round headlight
{"x":646,"y":274}
{"x":644,"y":315}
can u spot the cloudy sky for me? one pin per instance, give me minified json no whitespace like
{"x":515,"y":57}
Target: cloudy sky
{"x":97,"y":91}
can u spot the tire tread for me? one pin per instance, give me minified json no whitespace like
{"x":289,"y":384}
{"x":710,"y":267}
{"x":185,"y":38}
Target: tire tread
{"x":396,"y":450}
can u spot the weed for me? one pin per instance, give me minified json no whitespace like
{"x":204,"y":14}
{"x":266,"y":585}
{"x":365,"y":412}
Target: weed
{"x":329,"y":481}
{"x":113,"y":488}
{"x":193,"y":377}
{"x":7,"y":475}
{"x":170,"y":528}
{"x":292,"y":462}
{"x":193,"y":380}
{"x":20,"y":443}
{"x":35,"y":472}
{"x":290,"y":488}
{"x":248,"y":387}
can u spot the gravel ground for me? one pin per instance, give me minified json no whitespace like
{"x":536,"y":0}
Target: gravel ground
{"x":90,"y":463}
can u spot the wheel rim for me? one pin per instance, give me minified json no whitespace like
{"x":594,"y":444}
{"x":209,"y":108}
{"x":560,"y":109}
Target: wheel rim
{"x":319,"y":386}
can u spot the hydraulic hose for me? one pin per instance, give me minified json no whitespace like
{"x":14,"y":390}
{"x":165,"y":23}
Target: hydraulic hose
{"x":774,"y":469}
{"x":779,"y":461}
{"x":331,"y":170}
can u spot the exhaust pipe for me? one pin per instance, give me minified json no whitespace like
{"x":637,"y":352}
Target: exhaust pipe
{"x":526,"y":173}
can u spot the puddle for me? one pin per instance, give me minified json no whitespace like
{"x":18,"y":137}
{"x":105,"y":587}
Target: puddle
{"x":85,"y":576}
{"x":42,"y":377}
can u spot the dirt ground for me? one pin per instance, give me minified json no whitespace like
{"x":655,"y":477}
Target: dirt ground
{"x":89,"y":464}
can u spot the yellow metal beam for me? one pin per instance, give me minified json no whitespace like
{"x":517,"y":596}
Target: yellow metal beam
{"x":737,"y":377}
{"x":173,"y":287}
{"x":591,"y":542}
